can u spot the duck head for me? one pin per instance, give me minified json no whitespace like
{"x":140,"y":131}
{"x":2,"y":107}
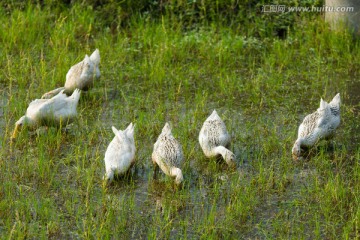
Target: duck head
{"x":296,"y":150}
{"x":19,"y":125}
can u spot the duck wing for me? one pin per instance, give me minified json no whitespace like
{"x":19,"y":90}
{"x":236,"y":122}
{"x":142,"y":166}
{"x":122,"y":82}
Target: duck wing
{"x":34,"y":108}
{"x":57,"y":108}
{"x":73,"y":75}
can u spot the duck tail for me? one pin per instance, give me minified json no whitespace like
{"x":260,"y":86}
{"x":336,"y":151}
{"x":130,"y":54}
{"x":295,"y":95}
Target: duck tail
{"x":95,"y":57}
{"x":323,"y":104}
{"x":118,"y":133}
{"x":336,"y":100}
{"x":76,"y":95}
{"x":214,"y":115}
{"x":166,"y":129}
{"x":130,"y":130}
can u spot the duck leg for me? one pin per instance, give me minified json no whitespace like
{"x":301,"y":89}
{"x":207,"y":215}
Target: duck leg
{"x":156,"y":168}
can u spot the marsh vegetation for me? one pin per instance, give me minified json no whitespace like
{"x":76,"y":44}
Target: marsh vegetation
{"x":261,"y":78}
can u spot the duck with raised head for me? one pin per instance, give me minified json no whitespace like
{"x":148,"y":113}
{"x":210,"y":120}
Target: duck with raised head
{"x":318,"y":125}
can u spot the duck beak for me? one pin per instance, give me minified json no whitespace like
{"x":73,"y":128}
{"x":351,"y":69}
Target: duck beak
{"x":15,"y":132}
{"x":232,"y":165}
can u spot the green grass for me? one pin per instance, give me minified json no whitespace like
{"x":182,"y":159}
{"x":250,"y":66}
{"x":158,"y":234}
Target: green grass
{"x":154,"y":71}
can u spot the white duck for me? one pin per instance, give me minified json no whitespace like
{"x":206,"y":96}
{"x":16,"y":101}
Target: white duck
{"x":168,"y":155}
{"x":214,"y":139}
{"x":120,"y":154}
{"x":318,"y":125}
{"x":81,"y":75}
{"x":59,"y":110}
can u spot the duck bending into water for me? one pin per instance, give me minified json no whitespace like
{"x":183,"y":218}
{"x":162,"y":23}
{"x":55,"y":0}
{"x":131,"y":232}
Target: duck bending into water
{"x":214,"y":138}
{"x":318,"y":125}
{"x":57,"y":111}
{"x":81,"y":75}
{"x":120,"y":154}
{"x":168,"y":155}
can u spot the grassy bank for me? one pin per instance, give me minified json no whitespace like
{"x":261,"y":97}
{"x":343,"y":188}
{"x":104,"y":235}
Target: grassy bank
{"x":155,"y":71}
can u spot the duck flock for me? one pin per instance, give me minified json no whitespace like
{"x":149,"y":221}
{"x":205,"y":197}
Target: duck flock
{"x":59,"y":108}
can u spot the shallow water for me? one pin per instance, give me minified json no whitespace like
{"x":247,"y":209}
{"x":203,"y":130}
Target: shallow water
{"x":275,"y":205}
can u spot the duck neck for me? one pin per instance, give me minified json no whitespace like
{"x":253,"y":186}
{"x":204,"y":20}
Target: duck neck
{"x":109,"y":175}
{"x":225,"y":153}
{"x":309,"y":140}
